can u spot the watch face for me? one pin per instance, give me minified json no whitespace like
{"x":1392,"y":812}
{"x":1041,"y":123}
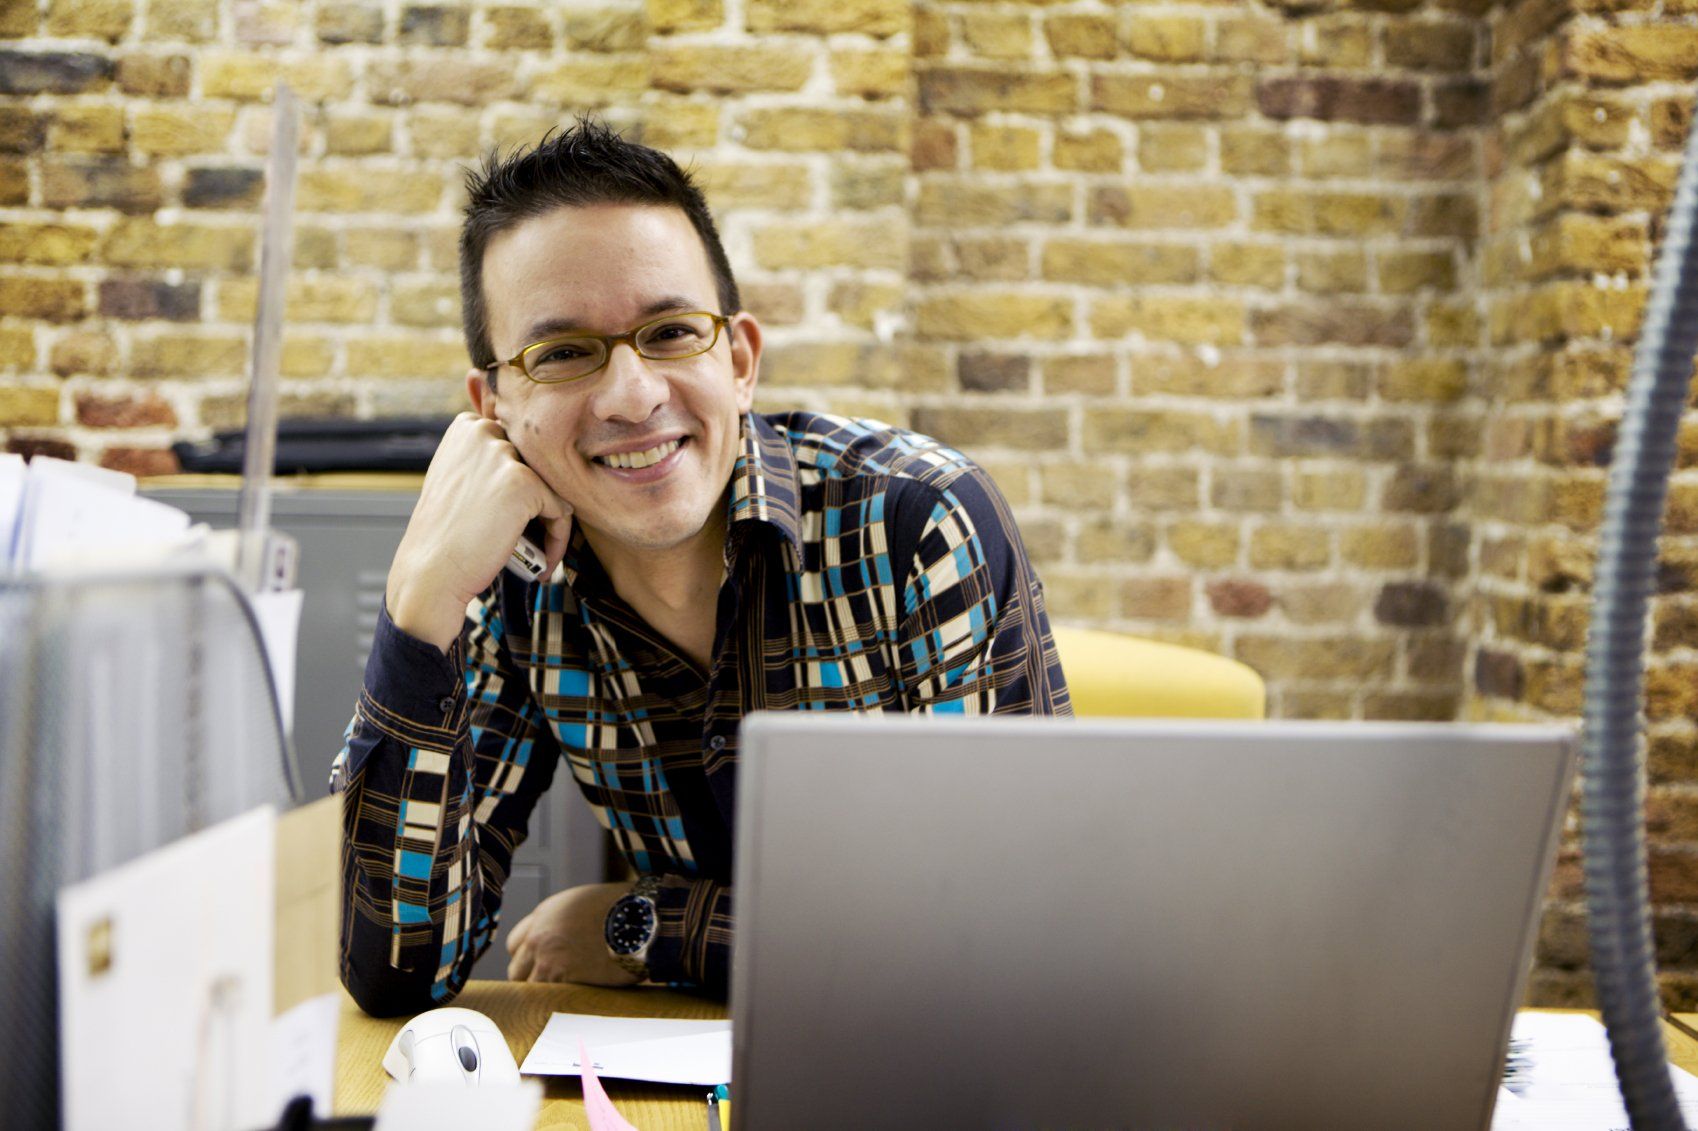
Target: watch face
{"x":630,"y":924}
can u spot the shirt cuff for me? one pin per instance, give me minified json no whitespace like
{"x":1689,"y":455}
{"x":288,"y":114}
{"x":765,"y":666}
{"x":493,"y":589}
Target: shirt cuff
{"x":666,"y":953}
{"x":410,"y":678}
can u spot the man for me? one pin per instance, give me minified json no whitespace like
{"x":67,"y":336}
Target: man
{"x":702,"y":562}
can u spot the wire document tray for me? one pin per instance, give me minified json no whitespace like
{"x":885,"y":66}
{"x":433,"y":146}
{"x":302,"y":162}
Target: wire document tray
{"x":135,"y":708}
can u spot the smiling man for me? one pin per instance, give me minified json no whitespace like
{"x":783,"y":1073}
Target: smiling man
{"x":704,"y":561}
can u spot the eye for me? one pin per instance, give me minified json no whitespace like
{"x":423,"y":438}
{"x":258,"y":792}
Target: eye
{"x":561,"y":351}
{"x":674,"y":331}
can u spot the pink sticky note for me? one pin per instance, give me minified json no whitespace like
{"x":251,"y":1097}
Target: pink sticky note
{"x":603,"y":1115}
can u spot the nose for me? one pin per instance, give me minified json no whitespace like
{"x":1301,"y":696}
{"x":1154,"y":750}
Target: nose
{"x":629,"y":389}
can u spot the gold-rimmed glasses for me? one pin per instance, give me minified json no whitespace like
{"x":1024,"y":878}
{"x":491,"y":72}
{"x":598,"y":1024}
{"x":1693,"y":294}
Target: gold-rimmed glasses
{"x":572,"y":357}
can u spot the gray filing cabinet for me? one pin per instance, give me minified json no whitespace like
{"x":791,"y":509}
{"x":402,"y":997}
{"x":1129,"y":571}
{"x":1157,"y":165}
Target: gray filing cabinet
{"x":347,"y":538}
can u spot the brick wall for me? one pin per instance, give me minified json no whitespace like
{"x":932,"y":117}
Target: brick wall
{"x":1291,"y":329}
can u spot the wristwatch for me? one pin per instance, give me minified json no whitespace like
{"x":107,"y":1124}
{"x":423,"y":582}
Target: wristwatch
{"x":632,"y":924}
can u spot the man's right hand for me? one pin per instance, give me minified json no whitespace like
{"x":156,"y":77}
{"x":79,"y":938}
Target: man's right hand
{"x":476,"y":499}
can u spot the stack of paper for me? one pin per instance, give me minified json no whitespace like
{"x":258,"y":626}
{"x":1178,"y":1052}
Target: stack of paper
{"x":1567,"y":1080}
{"x":55,"y":514}
{"x":664,"y":1050}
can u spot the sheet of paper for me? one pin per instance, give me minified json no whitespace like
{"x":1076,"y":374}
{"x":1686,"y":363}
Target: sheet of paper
{"x":75,"y":515}
{"x":303,"y":1052}
{"x":664,"y":1050}
{"x":12,"y":471}
{"x":279,"y":616}
{"x":1568,"y":1082}
{"x":455,"y":1107}
{"x":602,"y":1114}
{"x":165,"y":985}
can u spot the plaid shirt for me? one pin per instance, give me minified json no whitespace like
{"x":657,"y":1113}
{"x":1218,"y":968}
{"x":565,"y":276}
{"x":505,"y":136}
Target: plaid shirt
{"x":868,"y":569}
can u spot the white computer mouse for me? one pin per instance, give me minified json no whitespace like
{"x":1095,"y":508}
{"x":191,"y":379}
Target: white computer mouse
{"x":452,"y":1045}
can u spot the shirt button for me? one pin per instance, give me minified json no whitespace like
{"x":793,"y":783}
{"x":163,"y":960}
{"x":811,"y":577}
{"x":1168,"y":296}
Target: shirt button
{"x":445,"y":704}
{"x":717,"y":742}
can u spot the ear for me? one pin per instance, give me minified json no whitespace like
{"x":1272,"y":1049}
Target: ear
{"x":745,"y":332}
{"x":481,"y":390}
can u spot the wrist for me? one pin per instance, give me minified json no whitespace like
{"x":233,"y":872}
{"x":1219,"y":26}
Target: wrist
{"x":424,"y":615}
{"x":632,"y":924}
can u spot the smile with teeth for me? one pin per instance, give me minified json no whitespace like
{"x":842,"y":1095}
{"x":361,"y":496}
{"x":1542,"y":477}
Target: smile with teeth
{"x":640,"y":459}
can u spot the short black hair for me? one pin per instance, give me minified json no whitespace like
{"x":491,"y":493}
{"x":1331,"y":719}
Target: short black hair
{"x":584,"y":164}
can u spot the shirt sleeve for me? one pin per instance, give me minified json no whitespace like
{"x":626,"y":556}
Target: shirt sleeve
{"x":974,"y":638}
{"x":444,"y":760}
{"x":692,"y":942}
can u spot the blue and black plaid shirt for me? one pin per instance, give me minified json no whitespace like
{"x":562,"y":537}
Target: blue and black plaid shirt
{"x":868,"y":569}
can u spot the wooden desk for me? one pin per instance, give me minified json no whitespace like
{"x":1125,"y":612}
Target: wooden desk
{"x":521,"y":1009}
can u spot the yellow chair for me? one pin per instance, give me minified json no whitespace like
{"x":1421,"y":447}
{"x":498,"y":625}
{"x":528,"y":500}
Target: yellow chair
{"x":1124,"y":676}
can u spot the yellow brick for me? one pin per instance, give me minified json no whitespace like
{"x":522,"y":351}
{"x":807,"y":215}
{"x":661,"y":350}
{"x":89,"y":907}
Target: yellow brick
{"x":1330,"y":491}
{"x":1247,"y":264}
{"x":969,"y":202}
{"x":57,"y":300}
{"x":590,"y":81}
{"x":1170,"y":318}
{"x":1097,"y":151}
{"x":516,"y":29}
{"x":1235,"y":378}
{"x":1332,"y":272}
{"x":1170,"y":39}
{"x":1336,"y":155}
{"x":1118,"y":264}
{"x":1186,"y":206}
{"x":322,"y":299}
{"x":1453,"y":324}
{"x":1092,"y":374}
{"x":1206,"y":545}
{"x":1385,"y":546}
{"x":746,"y":185}
{"x":1254,"y":152}
{"x":1252,"y":39}
{"x":365,"y":190}
{"x":981,"y":89}
{"x":1170,"y":148}
{"x":606,"y":30}
{"x":1086,"y":36}
{"x":826,"y":17}
{"x":931,"y":34}
{"x":799,"y":130}
{"x":193,"y":20}
{"x":870,"y":74}
{"x":1425,"y":379}
{"x":522,"y":127}
{"x":1282,"y":546}
{"x":1634,"y":54}
{"x":355,"y":133}
{"x":974,"y":316}
{"x":188,"y":355}
{"x":859,"y":304}
{"x":674,"y":124}
{"x":1404,"y":272}
{"x":84,"y":351}
{"x":1023,"y":429}
{"x":28,"y":405}
{"x":174,"y":130}
{"x":250,"y":78}
{"x":87,"y":129}
{"x":136,"y":242}
{"x":993,"y":258}
{"x":457,"y":79}
{"x":1142,"y":431}
{"x":1009,"y":148}
{"x":685,"y":15}
{"x":305,"y":356}
{"x":1328,"y":213}
{"x":440,"y":132}
{"x":997,"y":35}
{"x":408,"y":356}
{"x":827,"y":243}
{"x":1337,"y":41}
{"x":17,"y":348}
{"x":89,"y":19}
{"x":864,"y":184}
{"x":729,"y":70}
{"x":46,"y":244}
{"x":431,"y":304}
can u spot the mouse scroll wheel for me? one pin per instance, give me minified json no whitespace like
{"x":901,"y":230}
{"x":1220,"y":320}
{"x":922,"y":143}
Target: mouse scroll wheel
{"x":465,"y":1047}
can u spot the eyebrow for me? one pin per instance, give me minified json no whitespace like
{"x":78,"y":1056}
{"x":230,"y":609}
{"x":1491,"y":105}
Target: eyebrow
{"x":553,"y":327}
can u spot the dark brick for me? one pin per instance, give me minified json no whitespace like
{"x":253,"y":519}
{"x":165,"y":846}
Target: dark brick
{"x":1331,"y":99}
{"x":350,"y":23}
{"x":1334,"y":323}
{"x":1411,"y":604}
{"x":52,"y":72}
{"x":435,"y":27}
{"x":148,"y":298}
{"x":1424,"y":490}
{"x":31,"y":446}
{"x":142,"y":462}
{"x":95,"y":411}
{"x":1302,"y":435}
{"x":223,"y":188}
{"x":1447,"y":550}
{"x":1498,"y":674}
{"x":1465,"y":103}
{"x":995,"y":372}
{"x":102,"y":182}
{"x":1231,"y":598}
{"x":21,"y":129}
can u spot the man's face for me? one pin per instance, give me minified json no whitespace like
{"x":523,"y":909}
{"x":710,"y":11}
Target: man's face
{"x":607,"y":269}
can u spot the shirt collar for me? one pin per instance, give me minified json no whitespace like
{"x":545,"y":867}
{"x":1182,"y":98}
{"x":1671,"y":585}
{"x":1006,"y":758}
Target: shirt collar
{"x":763,"y":489}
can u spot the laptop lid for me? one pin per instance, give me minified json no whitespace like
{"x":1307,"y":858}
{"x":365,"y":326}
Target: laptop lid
{"x":1040,"y":922}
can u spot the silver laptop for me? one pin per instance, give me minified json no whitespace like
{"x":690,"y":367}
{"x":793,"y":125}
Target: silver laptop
{"x":1001,"y":923}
